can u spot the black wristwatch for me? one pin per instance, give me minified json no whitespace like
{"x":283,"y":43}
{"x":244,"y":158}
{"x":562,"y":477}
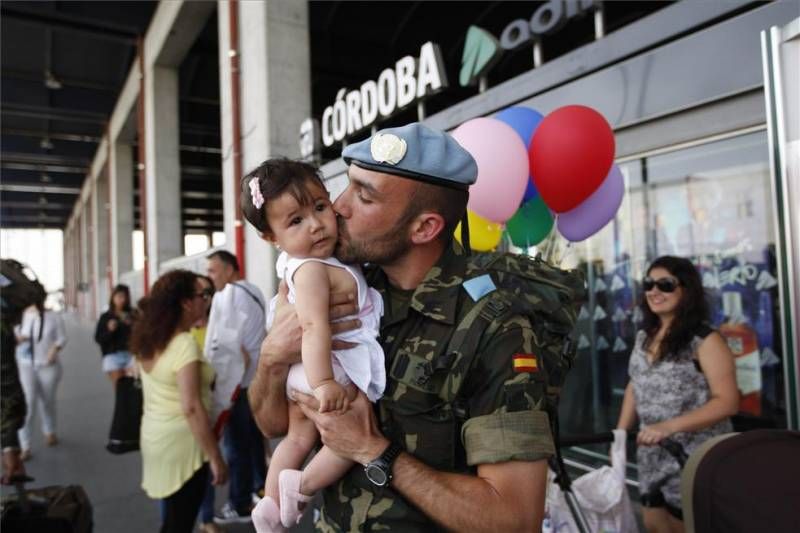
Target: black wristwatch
{"x":379,"y":471}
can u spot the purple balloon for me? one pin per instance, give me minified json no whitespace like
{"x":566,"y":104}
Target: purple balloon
{"x":596,"y":211}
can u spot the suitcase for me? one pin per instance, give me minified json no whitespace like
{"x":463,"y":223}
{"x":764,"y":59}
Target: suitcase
{"x":56,"y":509}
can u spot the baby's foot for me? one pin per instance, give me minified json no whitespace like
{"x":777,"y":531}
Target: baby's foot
{"x":267,"y":517}
{"x":293,"y":502}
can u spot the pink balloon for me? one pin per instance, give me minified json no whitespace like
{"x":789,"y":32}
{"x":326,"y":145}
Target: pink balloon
{"x":503,"y":167}
{"x":594,"y":212}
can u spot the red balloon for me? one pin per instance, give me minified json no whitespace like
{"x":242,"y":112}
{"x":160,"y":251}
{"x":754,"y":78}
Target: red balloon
{"x":570,"y":155}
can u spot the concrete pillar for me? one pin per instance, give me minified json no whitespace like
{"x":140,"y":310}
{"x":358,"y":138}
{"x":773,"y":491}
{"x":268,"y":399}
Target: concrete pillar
{"x":163,"y":181}
{"x":94,"y":206}
{"x":102,"y":237}
{"x":73,"y":260}
{"x":68,"y":277}
{"x":71,"y":248}
{"x":275,"y":98}
{"x":121,"y":208}
{"x":83,"y":261}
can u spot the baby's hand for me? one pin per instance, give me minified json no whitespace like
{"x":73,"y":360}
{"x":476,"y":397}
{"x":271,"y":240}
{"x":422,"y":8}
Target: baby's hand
{"x":331,"y":397}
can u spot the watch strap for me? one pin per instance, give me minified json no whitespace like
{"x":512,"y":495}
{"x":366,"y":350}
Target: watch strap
{"x":384,"y":463}
{"x":390,"y":454}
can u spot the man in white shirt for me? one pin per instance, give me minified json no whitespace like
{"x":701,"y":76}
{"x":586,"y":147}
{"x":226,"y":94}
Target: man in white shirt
{"x":236,"y":327}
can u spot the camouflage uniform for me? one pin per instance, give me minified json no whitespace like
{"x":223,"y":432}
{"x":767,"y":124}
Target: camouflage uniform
{"x":450,"y":413}
{"x":12,"y":408}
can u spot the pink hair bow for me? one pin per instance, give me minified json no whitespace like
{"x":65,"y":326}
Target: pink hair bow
{"x":255,"y":193}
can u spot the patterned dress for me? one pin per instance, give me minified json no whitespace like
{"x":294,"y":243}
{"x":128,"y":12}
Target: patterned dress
{"x":663,"y":390}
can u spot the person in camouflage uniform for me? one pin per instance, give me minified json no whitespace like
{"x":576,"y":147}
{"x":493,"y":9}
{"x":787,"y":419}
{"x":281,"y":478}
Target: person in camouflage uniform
{"x":472,"y":433}
{"x":12,"y":406}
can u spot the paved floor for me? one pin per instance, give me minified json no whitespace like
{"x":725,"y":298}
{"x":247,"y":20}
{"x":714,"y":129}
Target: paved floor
{"x":85,"y":406}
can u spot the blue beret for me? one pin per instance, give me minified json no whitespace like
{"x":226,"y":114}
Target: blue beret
{"x":417,"y":152}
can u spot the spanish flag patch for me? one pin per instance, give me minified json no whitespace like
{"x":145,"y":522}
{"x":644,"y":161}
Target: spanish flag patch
{"x":525,"y":362}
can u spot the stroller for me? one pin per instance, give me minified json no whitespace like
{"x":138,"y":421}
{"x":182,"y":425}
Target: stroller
{"x":743,"y":482}
{"x":598,"y":500}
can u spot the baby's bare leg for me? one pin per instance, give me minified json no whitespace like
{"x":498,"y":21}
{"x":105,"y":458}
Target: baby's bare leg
{"x":324,"y":469}
{"x":293,"y":450}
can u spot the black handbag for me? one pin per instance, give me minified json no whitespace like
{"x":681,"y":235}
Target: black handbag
{"x":127,"y":421}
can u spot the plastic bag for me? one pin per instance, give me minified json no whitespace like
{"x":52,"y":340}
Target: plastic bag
{"x":601,"y":495}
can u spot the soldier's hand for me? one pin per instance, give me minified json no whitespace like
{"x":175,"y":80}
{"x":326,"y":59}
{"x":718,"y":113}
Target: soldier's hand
{"x":352,"y":434}
{"x":343,"y":304}
{"x":282,"y":343}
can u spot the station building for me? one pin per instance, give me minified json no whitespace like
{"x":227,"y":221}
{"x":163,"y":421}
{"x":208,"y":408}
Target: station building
{"x":702,"y":97}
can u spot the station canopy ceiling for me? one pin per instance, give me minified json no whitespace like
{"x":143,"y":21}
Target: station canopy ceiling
{"x":64,"y":64}
{"x":63,"y":67}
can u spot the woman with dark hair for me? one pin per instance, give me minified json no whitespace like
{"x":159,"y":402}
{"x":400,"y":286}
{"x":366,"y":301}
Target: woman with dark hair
{"x":40,"y":338}
{"x":177,"y":444}
{"x":682,"y":385}
{"x":113,"y":334}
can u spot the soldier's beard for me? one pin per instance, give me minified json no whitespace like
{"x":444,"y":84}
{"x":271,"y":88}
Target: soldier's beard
{"x":381,"y":250}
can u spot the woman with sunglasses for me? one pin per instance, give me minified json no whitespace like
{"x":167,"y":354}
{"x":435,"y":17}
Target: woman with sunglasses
{"x":682,"y":385}
{"x":179,"y":450}
{"x":200,"y":327}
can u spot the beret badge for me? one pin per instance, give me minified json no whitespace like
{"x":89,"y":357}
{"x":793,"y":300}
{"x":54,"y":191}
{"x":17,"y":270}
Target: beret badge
{"x":387,"y":148}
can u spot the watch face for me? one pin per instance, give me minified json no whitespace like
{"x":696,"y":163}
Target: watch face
{"x":376,"y":475}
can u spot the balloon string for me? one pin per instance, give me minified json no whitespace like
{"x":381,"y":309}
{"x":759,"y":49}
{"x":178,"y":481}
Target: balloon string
{"x":567,"y":250}
{"x":552,"y":237}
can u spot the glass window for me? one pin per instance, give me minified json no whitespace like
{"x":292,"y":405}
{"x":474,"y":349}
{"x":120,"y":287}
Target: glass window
{"x":218,"y":238}
{"x":194,"y":243}
{"x":712,"y":204}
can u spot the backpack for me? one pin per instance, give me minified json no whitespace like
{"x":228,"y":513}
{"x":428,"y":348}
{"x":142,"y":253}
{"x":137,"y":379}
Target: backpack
{"x":549,"y":296}
{"x":19,"y":288}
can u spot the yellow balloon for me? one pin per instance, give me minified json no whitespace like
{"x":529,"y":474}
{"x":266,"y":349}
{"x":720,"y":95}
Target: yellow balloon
{"x":484,"y":235}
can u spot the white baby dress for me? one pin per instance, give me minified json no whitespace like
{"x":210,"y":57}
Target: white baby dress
{"x":362,"y":365}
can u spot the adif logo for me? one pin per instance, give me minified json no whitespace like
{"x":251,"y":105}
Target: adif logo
{"x":482,"y":50}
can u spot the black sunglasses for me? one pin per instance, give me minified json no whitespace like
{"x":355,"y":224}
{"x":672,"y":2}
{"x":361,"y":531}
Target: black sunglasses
{"x":205,"y":294}
{"x":663,"y":284}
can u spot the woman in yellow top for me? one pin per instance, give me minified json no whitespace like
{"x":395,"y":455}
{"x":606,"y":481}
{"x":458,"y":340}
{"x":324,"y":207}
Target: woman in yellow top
{"x":177,"y":444}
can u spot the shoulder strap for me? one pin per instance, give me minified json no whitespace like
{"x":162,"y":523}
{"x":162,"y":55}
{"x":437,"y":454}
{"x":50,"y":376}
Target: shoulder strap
{"x":483,"y":319}
{"x":32,"y":337}
{"x":250,"y":294}
{"x":457,"y":358}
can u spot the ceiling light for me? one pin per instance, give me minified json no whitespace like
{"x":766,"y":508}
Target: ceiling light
{"x":46,"y":144}
{"x":51,"y":82}
{"x":46,"y":179}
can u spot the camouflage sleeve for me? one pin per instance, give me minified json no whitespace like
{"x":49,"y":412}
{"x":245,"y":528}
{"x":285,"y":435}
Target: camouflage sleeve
{"x":507,"y":419}
{"x":12,"y":399}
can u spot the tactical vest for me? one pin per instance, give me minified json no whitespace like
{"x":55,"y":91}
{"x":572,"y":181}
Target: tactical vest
{"x":428,"y":385}
{"x":423,"y":407}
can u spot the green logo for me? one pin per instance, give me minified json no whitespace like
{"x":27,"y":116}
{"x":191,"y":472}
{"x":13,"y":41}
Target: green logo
{"x":481,"y":52}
